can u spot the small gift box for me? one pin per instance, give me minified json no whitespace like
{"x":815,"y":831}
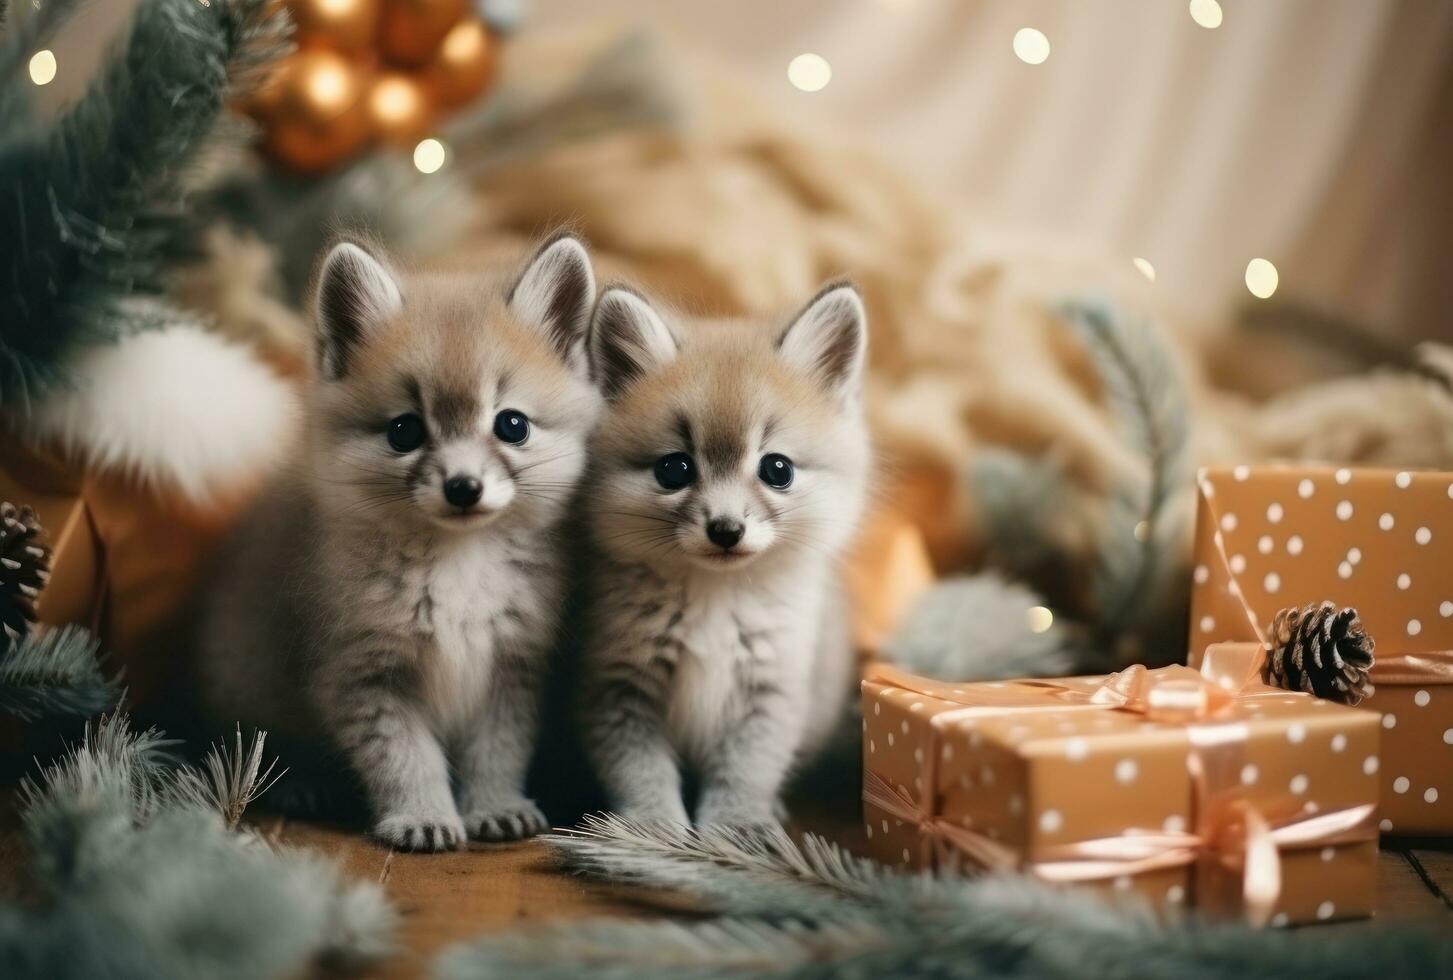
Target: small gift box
{"x":125,"y":558}
{"x":76,"y":590}
{"x":1194,"y":788}
{"x":1274,"y":538}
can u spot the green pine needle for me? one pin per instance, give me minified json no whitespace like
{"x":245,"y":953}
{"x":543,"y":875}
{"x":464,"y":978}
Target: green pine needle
{"x":56,"y":673}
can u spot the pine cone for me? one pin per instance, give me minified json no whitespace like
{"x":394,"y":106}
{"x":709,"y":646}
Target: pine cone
{"x":24,"y":570}
{"x":1321,"y":650}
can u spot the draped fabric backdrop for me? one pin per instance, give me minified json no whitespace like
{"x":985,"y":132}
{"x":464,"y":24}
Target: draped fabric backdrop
{"x":1315,"y":133}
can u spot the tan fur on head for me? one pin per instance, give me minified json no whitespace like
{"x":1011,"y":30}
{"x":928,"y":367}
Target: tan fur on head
{"x":455,"y":351}
{"x":728,"y":395}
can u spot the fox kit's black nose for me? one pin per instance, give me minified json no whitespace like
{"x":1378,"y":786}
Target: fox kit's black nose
{"x":463,"y":491}
{"x":724,"y":532}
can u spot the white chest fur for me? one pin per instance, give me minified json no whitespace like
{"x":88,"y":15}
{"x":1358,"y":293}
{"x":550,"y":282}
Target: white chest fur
{"x":455,"y":606}
{"x":733,"y":639}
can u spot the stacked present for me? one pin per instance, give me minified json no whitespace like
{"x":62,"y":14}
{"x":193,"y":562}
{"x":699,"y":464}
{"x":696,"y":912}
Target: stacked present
{"x":1273,"y":539}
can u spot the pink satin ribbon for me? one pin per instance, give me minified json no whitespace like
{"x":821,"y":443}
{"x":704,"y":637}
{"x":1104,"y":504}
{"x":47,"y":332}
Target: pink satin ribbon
{"x":1430,"y":667}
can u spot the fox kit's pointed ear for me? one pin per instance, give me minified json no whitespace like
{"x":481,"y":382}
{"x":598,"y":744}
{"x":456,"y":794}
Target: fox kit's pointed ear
{"x":555,"y":294}
{"x":627,"y":339}
{"x":829,"y":339}
{"x":356,"y":292}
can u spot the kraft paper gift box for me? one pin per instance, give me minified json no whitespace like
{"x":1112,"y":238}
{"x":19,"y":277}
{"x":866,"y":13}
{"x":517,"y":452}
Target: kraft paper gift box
{"x":125,"y":558}
{"x":1203,"y":789}
{"x":1272,"y":537}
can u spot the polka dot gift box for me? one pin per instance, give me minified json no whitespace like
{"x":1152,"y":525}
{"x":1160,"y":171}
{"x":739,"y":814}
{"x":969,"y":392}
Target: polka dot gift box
{"x":1193,"y":788}
{"x":1272,"y":538}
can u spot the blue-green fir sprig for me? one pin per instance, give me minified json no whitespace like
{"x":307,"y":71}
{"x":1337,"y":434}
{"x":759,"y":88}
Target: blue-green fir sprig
{"x":1122,"y":591}
{"x":55,"y":673}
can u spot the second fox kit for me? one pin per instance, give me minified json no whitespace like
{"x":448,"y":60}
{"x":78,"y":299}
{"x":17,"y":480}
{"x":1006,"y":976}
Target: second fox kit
{"x":395,"y":595}
{"x":727,"y":474}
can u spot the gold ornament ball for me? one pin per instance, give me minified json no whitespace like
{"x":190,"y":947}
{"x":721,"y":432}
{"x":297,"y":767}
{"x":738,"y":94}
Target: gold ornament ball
{"x":412,"y":30}
{"x":465,"y":64}
{"x":315,"y":114}
{"x":399,"y":109}
{"x":343,"y":25}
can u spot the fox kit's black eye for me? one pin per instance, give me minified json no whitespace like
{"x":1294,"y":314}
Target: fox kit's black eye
{"x":776,"y":471}
{"x":406,"y":433}
{"x":675,"y":470}
{"x":512,"y":426}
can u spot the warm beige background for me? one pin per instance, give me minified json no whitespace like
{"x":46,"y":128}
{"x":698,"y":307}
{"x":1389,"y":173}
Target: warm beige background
{"x":1316,"y":133}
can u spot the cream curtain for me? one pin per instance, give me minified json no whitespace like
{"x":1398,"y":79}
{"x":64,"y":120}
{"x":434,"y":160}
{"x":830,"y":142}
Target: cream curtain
{"x":1315,"y":133}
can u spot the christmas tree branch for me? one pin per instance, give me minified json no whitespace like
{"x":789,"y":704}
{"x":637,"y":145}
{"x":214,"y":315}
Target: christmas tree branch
{"x":56,"y":673}
{"x":94,"y":204}
{"x":1143,"y":390}
{"x":1024,"y":499}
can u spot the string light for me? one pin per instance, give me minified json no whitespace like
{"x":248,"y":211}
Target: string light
{"x":429,"y":156}
{"x":1040,"y":619}
{"x":1031,"y":46}
{"x":1146,"y":269}
{"x":1261,"y":278}
{"x":1207,"y":13}
{"x":42,"y":67}
{"x":809,"y":72}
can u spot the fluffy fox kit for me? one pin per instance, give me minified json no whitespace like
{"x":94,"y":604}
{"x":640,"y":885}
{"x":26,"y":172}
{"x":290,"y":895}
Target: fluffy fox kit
{"x":396,"y":593}
{"x":727,"y":474}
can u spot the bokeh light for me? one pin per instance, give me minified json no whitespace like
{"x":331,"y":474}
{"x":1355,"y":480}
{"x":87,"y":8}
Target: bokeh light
{"x":1207,"y":13}
{"x":809,"y":72}
{"x":429,"y":156}
{"x":1261,"y":278}
{"x":1031,"y":46}
{"x":42,"y":67}
{"x":1040,"y":619}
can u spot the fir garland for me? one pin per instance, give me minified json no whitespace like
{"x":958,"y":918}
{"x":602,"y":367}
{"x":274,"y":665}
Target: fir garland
{"x":781,"y":909}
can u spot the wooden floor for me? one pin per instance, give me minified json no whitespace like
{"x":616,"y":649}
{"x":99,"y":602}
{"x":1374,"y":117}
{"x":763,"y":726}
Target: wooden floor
{"x":447,"y":898}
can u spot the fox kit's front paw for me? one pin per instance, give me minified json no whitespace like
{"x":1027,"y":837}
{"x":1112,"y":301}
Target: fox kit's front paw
{"x":507,"y":820}
{"x":738,"y":811}
{"x":659,"y":812}
{"x":420,"y":831}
